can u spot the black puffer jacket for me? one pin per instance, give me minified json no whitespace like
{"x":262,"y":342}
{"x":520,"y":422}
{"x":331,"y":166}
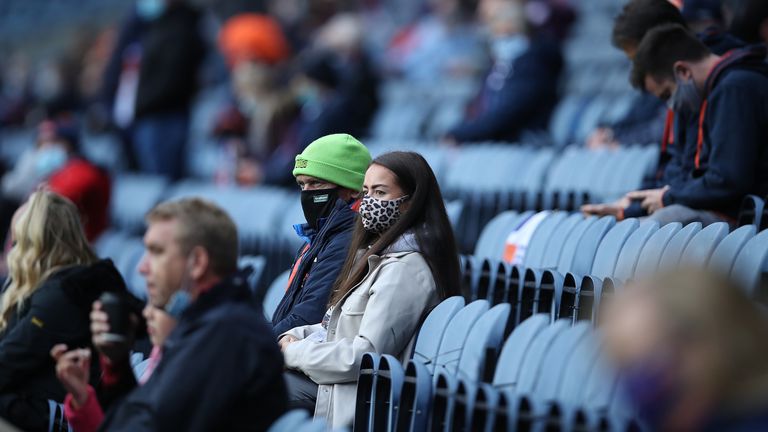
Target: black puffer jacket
{"x":57,"y":312}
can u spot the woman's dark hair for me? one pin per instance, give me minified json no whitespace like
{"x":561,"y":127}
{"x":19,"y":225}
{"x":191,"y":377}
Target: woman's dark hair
{"x":425,"y":218}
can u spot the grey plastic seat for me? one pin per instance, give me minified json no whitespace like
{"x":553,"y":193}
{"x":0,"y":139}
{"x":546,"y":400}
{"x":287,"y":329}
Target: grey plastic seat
{"x":432,"y":331}
{"x":752,"y":263}
{"x":630,"y":253}
{"x":483,"y":344}
{"x":558,"y":359}
{"x":650,"y":255}
{"x":515,"y":348}
{"x":571,"y":244}
{"x":611,"y":245}
{"x":531,"y":369}
{"x":557,"y":240}
{"x":723,"y":257}
{"x":275,"y":294}
{"x":537,"y":247}
{"x":674,"y":250}
{"x":584,"y":254}
{"x":487,"y":243}
{"x":701,"y":246}
{"x":133,"y":195}
{"x":449,"y":353}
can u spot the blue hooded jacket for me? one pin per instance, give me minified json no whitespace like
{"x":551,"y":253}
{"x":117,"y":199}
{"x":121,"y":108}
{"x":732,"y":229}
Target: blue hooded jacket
{"x":306,"y":299}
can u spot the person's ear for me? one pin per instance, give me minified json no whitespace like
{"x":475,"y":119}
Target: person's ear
{"x":682,"y":70}
{"x":199,"y":262}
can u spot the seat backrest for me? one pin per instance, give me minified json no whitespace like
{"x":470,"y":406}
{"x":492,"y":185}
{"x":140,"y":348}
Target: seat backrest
{"x":534,"y":255}
{"x":484,"y":340}
{"x":256,"y":263}
{"x":651,"y":254}
{"x":534,"y":358}
{"x":433,"y":328}
{"x":579,"y":366}
{"x":752,"y":262}
{"x":449,"y":353}
{"x":610,"y":247}
{"x":275,"y":293}
{"x":558,"y":359}
{"x":630,"y":253}
{"x":500,"y":243}
{"x":289,"y":421}
{"x":557,"y":240}
{"x":723,"y":257}
{"x":701,"y":246}
{"x":485,"y":247}
{"x":132,"y":197}
{"x":584,"y":255}
{"x":516,"y":347}
{"x":674,"y":250}
{"x":571,"y":244}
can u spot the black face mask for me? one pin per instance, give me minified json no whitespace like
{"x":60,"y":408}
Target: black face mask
{"x":318,"y":204}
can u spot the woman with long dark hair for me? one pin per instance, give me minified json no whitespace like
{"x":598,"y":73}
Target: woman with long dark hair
{"x":401,"y":263}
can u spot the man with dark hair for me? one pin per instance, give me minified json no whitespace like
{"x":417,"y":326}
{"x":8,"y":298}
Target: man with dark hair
{"x":637,"y":18}
{"x":723,"y":156}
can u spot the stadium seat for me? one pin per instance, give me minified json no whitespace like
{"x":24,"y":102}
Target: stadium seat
{"x":254,"y":266}
{"x":389,"y":383}
{"x":650,"y":255}
{"x":557,"y":240}
{"x":725,"y":254}
{"x":609,"y":251}
{"x":433,"y":329}
{"x":366,"y":392}
{"x":449,"y":353}
{"x":133,"y":195}
{"x":290,"y":421}
{"x":751,"y":212}
{"x":674,"y":250}
{"x":701,"y":246}
{"x":481,"y":348}
{"x":534,"y":255}
{"x":275,"y":294}
{"x":415,"y":399}
{"x":751,"y":265}
{"x":630,"y":253}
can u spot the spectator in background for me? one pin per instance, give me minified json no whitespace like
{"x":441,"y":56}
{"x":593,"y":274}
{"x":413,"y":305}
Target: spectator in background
{"x":649,"y":117}
{"x":401,"y":263}
{"x":256,"y":51}
{"x":520,"y":91}
{"x":151,"y":79}
{"x":691,"y":353}
{"x":56,"y":159}
{"x":445,"y":44}
{"x":725,"y":156}
{"x":220,"y":368}
{"x":747,"y":20}
{"x":330,"y":174}
{"x":54,"y":276}
{"x":82,"y":408}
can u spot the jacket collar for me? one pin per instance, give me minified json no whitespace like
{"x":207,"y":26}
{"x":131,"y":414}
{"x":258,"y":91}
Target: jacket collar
{"x":753,"y":55}
{"x":341,"y":216}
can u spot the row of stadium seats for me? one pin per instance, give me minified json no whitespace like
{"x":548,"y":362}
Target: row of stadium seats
{"x":469,"y":374}
{"x":572,"y":261}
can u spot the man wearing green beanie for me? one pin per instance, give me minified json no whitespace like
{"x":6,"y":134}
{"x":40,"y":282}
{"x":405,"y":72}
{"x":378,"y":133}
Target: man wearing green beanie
{"x":330,"y":173}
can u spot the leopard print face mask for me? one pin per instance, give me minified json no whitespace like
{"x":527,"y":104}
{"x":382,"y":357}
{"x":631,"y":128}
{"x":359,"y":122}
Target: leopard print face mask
{"x":379,"y":215}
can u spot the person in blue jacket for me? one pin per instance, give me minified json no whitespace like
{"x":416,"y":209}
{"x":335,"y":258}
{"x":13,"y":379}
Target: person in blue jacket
{"x":521,"y":90}
{"x":725,"y":155}
{"x":330,"y":173}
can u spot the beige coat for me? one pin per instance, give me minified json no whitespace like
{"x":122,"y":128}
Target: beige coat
{"x":381,"y":314}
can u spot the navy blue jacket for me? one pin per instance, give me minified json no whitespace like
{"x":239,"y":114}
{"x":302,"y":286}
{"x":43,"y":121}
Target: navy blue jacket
{"x":306,"y":300}
{"x":523,"y":102}
{"x":733,"y":157}
{"x":221,"y":370}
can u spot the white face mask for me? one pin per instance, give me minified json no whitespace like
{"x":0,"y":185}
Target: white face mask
{"x":182,"y":298}
{"x":50,"y":159}
{"x":505,"y":49}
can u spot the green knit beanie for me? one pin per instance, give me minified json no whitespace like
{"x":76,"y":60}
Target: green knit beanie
{"x":339,"y":159}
